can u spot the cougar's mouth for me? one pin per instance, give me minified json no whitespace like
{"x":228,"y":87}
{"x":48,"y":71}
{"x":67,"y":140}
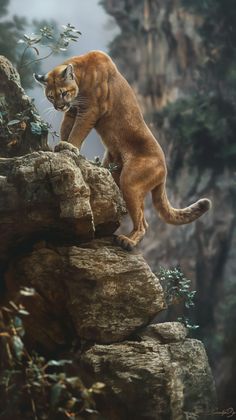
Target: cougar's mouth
{"x":63,"y":108}
{"x":66,"y":108}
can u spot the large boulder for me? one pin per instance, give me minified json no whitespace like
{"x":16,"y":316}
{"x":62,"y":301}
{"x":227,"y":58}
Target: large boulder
{"x":56,"y":195}
{"x":95,"y":291}
{"x":161,"y":376}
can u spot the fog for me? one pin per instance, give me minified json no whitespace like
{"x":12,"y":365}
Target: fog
{"x":97,"y":31}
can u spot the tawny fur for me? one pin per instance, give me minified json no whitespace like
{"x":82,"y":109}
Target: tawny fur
{"x":93,"y":94}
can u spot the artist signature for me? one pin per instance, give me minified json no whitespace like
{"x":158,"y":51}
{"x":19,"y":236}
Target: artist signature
{"x":227,"y":412}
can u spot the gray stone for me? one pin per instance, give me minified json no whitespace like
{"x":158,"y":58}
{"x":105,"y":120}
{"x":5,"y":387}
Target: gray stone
{"x":104,"y":294}
{"x":55,"y":195}
{"x":149,"y":380}
{"x":165,"y":332}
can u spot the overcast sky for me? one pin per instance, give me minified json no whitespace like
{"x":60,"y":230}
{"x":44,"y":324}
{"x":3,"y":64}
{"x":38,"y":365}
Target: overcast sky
{"x":97,"y":31}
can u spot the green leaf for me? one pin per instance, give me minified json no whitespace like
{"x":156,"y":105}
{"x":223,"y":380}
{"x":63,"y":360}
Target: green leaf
{"x":13,"y":122}
{"x":23,"y":312}
{"x":36,"y":128}
{"x":36,"y":40}
{"x":192,"y":327}
{"x":58,"y":362}
{"x":27,"y":291}
{"x":90,"y":411}
{"x":17,"y":322}
{"x":4,"y":308}
{"x":18,"y":347}
{"x":13,"y":305}
{"x":56,"y":391}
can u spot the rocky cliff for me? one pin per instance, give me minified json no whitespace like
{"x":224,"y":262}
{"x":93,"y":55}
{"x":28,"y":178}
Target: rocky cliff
{"x":75,"y":293}
{"x":160,"y":50}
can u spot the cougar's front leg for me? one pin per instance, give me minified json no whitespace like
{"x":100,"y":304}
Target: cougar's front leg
{"x":78,"y":131}
{"x":65,"y":129}
{"x":83,"y":124}
{"x":66,"y":126}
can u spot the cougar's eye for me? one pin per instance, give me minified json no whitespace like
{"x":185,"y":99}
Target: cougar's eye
{"x":64,"y":93}
{"x":50,"y":98}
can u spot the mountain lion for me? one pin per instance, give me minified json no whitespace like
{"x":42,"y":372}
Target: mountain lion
{"x":92,"y":93}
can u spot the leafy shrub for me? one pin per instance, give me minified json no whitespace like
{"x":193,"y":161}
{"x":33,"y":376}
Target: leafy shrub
{"x":48,"y":37}
{"x":32,"y":387}
{"x":177,"y":289}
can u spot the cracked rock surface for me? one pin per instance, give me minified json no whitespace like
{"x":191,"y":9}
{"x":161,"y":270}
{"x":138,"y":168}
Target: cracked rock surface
{"x":150,"y":379}
{"x":103,"y":293}
{"x":55,"y":195}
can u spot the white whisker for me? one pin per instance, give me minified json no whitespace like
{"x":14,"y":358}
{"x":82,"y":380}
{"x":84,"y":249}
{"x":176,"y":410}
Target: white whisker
{"x":48,"y":114}
{"x":44,"y":99}
{"x":48,"y":109}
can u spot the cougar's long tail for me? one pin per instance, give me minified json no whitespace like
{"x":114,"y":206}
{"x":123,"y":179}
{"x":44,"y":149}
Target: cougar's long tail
{"x":177,"y":216}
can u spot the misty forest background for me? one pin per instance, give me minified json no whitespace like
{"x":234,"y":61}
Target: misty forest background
{"x":180,"y":58}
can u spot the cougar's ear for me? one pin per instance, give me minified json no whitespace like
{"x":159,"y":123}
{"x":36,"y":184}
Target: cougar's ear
{"x":68,"y":73}
{"x":40,"y":79}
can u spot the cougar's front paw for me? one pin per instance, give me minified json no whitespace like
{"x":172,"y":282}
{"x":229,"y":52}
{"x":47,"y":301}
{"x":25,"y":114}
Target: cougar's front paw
{"x":64,"y":145}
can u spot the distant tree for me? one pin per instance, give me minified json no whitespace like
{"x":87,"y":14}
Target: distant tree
{"x":10,"y":32}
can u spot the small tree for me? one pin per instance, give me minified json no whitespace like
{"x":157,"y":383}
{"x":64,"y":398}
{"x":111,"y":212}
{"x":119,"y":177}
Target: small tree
{"x":26,"y":52}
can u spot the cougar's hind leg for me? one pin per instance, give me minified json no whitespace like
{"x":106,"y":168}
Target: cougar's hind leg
{"x":134,"y":206}
{"x":134,"y":191}
{"x":145,"y":223}
{"x":138,"y":177}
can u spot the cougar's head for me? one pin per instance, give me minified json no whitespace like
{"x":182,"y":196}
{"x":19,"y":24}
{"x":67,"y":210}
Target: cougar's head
{"x":60,"y":86}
